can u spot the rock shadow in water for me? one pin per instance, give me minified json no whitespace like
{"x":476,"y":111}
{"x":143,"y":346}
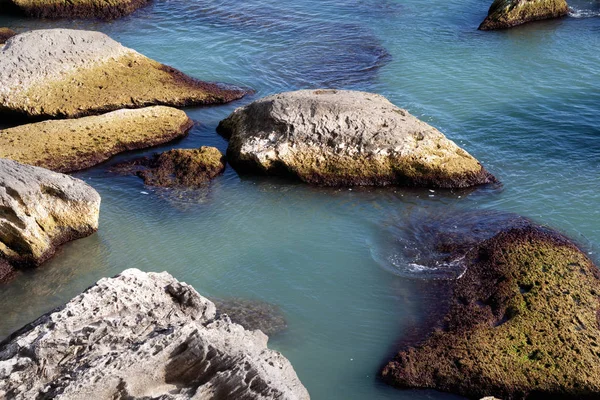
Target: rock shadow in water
{"x":252,"y":314}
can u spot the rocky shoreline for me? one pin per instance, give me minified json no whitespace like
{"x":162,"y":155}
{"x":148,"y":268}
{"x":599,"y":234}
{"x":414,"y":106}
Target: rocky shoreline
{"x":524,"y":318}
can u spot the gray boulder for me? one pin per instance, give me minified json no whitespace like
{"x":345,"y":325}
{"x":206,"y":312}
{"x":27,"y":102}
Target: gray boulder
{"x":40,"y":210}
{"x":140,"y":336}
{"x":339,"y":137}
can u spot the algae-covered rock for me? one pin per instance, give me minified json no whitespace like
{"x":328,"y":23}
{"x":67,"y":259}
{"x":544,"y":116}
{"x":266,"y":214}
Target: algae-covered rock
{"x":70,"y":145}
{"x":79,"y":8}
{"x":177,"y":167}
{"x":339,"y":137}
{"x":60,"y":73}
{"x":508,"y":13}
{"x":5,"y":34}
{"x":142,"y":336}
{"x":40,"y":210}
{"x":524,"y":324}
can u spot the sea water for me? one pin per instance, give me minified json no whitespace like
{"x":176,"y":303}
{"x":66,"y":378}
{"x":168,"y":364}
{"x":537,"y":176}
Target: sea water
{"x":346,"y":266}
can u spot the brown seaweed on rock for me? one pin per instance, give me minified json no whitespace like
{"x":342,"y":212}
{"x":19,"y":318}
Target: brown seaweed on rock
{"x":523,"y":324}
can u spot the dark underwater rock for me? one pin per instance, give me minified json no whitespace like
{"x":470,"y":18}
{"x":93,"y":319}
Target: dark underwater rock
{"x":523,"y":323}
{"x":253,"y":314}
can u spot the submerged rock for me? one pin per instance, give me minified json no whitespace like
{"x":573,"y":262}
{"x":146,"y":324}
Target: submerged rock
{"x":523,"y":323}
{"x":138,"y":336}
{"x":509,"y":13}
{"x":253,"y":314}
{"x":79,"y":8}
{"x":60,"y":73}
{"x":338,"y":137}
{"x":5,"y":34}
{"x":40,"y":210}
{"x":74,"y":144}
{"x":177,"y":167}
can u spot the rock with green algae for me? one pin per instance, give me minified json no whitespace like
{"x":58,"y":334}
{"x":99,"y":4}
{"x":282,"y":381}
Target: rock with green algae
{"x":509,"y":13}
{"x":74,"y":144}
{"x":103,"y":9}
{"x":344,"y":138}
{"x":64,"y":73}
{"x":524,"y":324}
{"x":177,"y":167}
{"x":5,"y":34}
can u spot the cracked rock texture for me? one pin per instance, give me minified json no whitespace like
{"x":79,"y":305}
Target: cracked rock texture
{"x":40,"y":210}
{"x":338,"y":138}
{"x":63,"y":73}
{"x":142,"y":336}
{"x":74,"y":144}
{"x":508,"y":13}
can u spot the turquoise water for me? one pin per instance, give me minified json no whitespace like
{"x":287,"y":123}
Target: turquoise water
{"x":340,"y":263}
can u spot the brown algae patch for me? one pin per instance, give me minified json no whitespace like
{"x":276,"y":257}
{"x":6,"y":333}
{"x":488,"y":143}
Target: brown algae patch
{"x":70,"y":145}
{"x":104,"y":9}
{"x":177,"y":167}
{"x":524,"y":323}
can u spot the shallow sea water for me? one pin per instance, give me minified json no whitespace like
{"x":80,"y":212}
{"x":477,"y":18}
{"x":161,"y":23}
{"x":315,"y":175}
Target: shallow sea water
{"x":343,"y":264}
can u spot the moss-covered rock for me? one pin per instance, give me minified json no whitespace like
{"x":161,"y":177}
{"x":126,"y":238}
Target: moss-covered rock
{"x":74,"y":144}
{"x":340,"y":137}
{"x":104,"y":9}
{"x":5,"y":34}
{"x":177,"y":167}
{"x":61,"y":73}
{"x":508,"y":13}
{"x":524,"y":324}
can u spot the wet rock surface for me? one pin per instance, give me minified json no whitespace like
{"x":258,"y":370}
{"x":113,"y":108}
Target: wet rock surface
{"x":177,"y":167}
{"x":74,"y":144}
{"x":523,"y":323}
{"x":253,"y":314}
{"x":63,"y":73}
{"x":137,"y":336}
{"x":341,"y":138}
{"x":79,"y":8}
{"x":40,"y":210}
{"x":508,"y":13}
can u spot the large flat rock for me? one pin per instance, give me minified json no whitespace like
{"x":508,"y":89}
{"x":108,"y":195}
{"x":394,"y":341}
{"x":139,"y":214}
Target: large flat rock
{"x":58,"y":73}
{"x":139,"y":336}
{"x":40,"y":210}
{"x":339,"y":137}
{"x":73,"y":144}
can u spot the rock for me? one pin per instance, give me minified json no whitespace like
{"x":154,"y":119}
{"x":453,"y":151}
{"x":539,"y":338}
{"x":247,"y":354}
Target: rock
{"x":509,"y":13}
{"x":176,"y":168}
{"x":58,"y":73}
{"x":523,"y":322}
{"x":40,"y":210}
{"x":79,"y":8}
{"x":74,"y":144}
{"x":338,"y":137}
{"x":253,"y":314}
{"x":5,"y":34}
{"x":138,"y":336}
